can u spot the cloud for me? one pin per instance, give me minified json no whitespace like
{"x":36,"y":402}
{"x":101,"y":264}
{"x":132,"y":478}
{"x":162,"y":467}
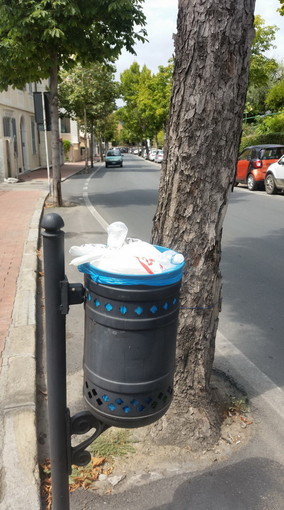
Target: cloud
{"x":161,"y":24}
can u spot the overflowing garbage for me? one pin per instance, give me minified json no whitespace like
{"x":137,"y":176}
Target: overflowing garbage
{"x":124,"y":256}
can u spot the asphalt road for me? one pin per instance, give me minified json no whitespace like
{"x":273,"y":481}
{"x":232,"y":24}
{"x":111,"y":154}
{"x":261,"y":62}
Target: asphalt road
{"x":128,"y":194}
{"x":252,"y":250}
{"x":253,"y":279}
{"x":251,"y":322}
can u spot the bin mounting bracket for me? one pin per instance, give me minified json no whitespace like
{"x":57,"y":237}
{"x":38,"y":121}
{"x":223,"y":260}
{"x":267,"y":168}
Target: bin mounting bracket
{"x":71,"y":294}
{"x":81,"y":423}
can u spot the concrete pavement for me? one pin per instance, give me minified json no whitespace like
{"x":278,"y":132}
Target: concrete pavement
{"x":21,"y":206}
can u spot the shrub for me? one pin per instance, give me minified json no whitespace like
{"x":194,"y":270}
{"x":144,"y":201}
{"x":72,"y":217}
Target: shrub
{"x":260,"y":139}
{"x":66,"y":148}
{"x":271,"y":124}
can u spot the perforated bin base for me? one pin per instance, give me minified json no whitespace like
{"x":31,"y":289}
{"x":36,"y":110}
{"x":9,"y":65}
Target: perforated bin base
{"x":127,"y":411}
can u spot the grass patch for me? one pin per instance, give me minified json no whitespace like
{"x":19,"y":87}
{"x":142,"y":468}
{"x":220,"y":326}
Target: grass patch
{"x":112,"y":443}
{"x":237,"y":406}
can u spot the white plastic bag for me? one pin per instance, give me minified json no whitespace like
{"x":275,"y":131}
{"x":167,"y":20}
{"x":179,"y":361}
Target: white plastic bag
{"x":117,"y":233}
{"x":86,"y":253}
{"x":125,"y":256}
{"x":134,"y":257}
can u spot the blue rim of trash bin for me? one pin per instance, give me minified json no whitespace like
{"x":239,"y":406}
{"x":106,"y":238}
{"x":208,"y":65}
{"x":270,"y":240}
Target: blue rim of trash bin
{"x":168,"y":277}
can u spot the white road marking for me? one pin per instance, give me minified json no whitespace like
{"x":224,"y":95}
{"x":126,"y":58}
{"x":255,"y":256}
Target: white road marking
{"x":89,"y":205}
{"x":259,"y":382}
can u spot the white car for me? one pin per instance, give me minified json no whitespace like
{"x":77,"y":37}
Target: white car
{"x":152,"y":154}
{"x":159,"y":156}
{"x":274,"y":179}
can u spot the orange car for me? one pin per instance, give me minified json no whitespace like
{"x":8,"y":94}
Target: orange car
{"x":253,"y":163}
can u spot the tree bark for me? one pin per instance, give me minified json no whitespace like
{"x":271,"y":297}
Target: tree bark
{"x":55,"y":156}
{"x":212,"y":49}
{"x":101,"y":148}
{"x":86,"y":139}
{"x":92,"y":146}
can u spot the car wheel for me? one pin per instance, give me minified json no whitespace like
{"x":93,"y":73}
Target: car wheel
{"x":269,"y":184}
{"x":121,"y":165}
{"x":252,"y":185}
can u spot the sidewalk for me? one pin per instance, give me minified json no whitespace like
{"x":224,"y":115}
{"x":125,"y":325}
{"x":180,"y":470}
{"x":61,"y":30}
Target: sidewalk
{"x":21,"y":206}
{"x":40,"y":176}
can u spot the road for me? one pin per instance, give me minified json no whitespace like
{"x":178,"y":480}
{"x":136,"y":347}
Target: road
{"x":128,"y":194}
{"x":251,"y":323}
{"x":252,"y":251}
{"x":253,"y":279}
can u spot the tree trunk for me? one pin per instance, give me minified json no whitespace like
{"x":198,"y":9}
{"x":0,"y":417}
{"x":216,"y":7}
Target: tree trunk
{"x":55,"y":156}
{"x":147,"y":149}
{"x":92,"y":146}
{"x":201,"y":147}
{"x":86,"y":139}
{"x":101,"y":148}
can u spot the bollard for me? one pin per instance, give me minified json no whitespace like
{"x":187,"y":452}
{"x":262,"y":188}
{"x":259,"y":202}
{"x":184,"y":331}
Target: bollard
{"x":53,"y":247}
{"x":59,"y":294}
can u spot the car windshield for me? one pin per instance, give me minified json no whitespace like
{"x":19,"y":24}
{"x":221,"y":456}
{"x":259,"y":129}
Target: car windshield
{"x":113,"y":152}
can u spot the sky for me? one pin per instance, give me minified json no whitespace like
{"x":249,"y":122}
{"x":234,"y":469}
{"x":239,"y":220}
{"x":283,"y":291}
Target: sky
{"x":161,"y":24}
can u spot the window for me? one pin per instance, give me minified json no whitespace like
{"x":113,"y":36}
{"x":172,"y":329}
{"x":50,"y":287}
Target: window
{"x":245,"y":155}
{"x":7,"y":126}
{"x":65,"y":125}
{"x":113,"y":152}
{"x":274,"y":153}
{"x":14,"y":133}
{"x":33,"y":131}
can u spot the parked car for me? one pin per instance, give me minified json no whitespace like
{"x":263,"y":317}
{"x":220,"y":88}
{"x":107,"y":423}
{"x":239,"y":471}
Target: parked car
{"x":113,"y":158}
{"x":159,"y":156}
{"x":152,"y":154}
{"x":253,"y":163}
{"x":274,"y":180}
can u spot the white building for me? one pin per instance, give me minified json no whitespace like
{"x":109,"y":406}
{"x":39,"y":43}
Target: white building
{"x":22,"y":145}
{"x":19,"y":137}
{"x":69,"y":130}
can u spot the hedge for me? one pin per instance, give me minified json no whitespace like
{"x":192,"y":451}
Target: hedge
{"x":277,"y":138}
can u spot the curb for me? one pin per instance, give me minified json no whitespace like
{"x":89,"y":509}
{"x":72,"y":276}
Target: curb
{"x":20,"y":476}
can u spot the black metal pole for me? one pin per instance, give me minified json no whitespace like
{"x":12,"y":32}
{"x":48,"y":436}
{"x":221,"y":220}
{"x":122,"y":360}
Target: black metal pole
{"x":54,"y":273}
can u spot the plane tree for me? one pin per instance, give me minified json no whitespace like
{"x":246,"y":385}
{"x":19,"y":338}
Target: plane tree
{"x":263,"y":69}
{"x":39,"y":37}
{"x":281,"y":8}
{"x":212,"y":54}
{"x":146,"y":97}
{"x":88,"y":94}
